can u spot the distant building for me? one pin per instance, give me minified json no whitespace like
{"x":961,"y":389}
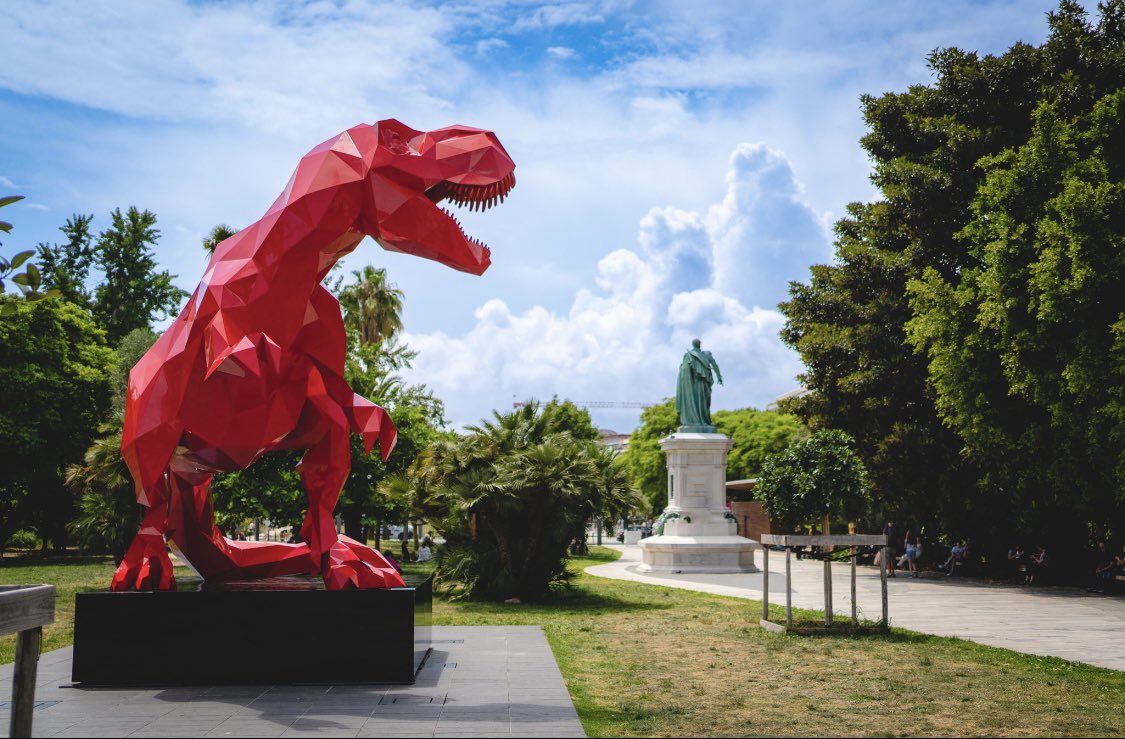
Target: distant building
{"x":798,"y":393}
{"x":618,"y":442}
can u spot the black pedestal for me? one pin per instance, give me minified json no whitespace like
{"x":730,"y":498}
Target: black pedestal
{"x":259,"y":633}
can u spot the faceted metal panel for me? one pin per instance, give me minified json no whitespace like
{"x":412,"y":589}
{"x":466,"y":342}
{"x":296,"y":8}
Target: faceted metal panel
{"x":255,"y":360}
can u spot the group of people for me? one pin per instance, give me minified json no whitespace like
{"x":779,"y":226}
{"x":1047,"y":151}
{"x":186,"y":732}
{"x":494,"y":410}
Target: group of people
{"x":1030,"y":567}
{"x":1107,"y":568}
{"x":911,"y":550}
{"x":424,"y":554}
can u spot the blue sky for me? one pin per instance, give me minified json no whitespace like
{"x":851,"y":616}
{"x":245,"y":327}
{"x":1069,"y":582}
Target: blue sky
{"x":678,"y":163}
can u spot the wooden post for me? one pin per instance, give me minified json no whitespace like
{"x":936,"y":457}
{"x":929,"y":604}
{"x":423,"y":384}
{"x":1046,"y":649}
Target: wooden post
{"x":788,"y":591}
{"x":24,"y":609}
{"x":883,"y":580}
{"x":831,"y":595}
{"x":855,"y":611}
{"x":827,"y":592}
{"x":23,"y":681}
{"x":766,"y":583}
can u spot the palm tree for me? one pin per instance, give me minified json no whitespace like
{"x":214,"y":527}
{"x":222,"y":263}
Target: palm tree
{"x":109,"y":514}
{"x":218,"y":235}
{"x":511,"y":495}
{"x":372,"y":306}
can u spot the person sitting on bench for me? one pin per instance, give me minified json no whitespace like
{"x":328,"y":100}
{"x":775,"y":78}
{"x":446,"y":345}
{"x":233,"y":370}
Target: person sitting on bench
{"x":956,"y":558}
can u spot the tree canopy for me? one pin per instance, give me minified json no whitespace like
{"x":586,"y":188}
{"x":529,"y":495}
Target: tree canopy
{"x":813,"y":478}
{"x":133,"y":291}
{"x":512,"y":494}
{"x":968,"y":335}
{"x":54,"y":392}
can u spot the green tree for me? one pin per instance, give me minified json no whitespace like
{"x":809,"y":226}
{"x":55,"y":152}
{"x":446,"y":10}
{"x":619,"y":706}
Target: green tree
{"x":217,"y":235}
{"x":54,"y":392}
{"x":1026,"y":349}
{"x":133,"y":291}
{"x":28,"y":281}
{"x":916,"y":254}
{"x":419,"y":417}
{"x":134,"y":346}
{"x":109,"y":514}
{"x":269,"y":489}
{"x":756,"y":435}
{"x":820,"y":476}
{"x":372,"y":306}
{"x":645,"y":459}
{"x":65,"y":267}
{"x":511,"y":495}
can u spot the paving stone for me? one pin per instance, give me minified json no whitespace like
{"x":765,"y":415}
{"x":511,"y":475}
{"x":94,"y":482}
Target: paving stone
{"x":505,"y":683}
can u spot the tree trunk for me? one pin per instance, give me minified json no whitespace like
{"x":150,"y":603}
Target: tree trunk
{"x":353,"y":524}
{"x":535,"y":529}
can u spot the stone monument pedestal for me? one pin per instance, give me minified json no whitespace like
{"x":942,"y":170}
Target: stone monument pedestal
{"x":699,"y":534}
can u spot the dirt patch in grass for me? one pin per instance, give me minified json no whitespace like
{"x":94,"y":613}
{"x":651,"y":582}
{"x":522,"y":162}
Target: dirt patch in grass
{"x":641,"y":660}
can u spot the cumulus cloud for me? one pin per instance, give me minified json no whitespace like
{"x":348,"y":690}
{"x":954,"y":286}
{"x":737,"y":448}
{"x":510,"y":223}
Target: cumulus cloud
{"x":707,"y":274}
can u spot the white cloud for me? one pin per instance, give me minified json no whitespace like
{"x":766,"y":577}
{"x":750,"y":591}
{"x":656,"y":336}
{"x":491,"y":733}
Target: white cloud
{"x":487,"y":45}
{"x":622,"y":339}
{"x":721,"y":69}
{"x":553,"y":15}
{"x":561,"y":52}
{"x":274,"y":67}
{"x":211,"y":104}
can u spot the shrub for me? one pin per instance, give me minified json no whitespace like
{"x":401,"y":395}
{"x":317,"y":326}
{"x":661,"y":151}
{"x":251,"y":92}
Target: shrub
{"x":23,"y":539}
{"x":820,"y":476}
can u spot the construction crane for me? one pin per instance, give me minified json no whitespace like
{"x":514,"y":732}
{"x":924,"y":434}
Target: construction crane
{"x":598,"y":404}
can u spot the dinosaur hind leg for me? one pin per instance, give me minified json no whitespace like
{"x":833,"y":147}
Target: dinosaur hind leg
{"x":197,"y":540}
{"x":342,"y":562}
{"x":146,"y":565}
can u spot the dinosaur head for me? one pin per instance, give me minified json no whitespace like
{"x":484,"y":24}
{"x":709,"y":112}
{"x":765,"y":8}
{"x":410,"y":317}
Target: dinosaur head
{"x":415,"y":171}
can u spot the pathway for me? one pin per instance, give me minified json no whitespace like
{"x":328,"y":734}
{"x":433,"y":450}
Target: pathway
{"x":1056,"y":621}
{"x":478,"y":681}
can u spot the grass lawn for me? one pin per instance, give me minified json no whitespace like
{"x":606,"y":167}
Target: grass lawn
{"x":641,"y":660}
{"x":69,"y":575}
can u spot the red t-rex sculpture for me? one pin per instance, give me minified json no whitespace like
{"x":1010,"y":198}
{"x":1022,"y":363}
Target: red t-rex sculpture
{"x":255,"y":360}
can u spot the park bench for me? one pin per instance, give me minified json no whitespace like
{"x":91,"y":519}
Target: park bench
{"x":25,"y":610}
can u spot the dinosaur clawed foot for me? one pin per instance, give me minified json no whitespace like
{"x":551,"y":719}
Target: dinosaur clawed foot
{"x":353,"y":565}
{"x":146,"y":566}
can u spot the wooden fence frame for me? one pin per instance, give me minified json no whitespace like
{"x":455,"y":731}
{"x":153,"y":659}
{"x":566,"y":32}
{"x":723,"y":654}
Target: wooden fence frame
{"x":788,"y":542}
{"x":25,"y":610}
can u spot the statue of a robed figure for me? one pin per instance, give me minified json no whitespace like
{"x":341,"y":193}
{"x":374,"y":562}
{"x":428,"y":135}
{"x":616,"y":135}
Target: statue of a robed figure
{"x":693,"y":389}
{"x":697,"y":532}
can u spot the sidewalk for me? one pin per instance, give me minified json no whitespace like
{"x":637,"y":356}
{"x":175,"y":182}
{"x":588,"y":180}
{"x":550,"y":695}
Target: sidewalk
{"x":478,"y":681}
{"x":1056,"y":621}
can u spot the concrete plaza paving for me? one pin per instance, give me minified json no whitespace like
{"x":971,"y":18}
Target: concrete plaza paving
{"x":479,"y":681}
{"x":1053,"y":621}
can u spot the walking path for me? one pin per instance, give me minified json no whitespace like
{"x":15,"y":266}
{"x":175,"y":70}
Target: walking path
{"x":478,"y":681}
{"x":1056,"y":621}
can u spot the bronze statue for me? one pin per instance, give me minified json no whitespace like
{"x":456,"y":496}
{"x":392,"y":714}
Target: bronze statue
{"x":693,"y":390}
